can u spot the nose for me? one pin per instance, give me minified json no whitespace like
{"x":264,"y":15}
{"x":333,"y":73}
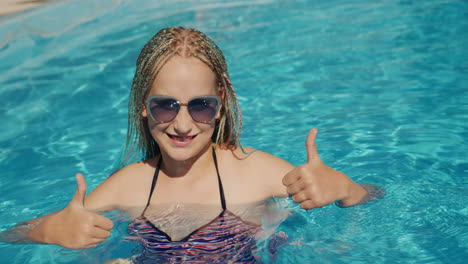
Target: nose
{"x":183,"y":122}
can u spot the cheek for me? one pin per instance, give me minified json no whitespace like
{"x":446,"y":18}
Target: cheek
{"x":210,"y":130}
{"x":205,"y":131}
{"x":156,"y":130}
{"x":210,"y":127}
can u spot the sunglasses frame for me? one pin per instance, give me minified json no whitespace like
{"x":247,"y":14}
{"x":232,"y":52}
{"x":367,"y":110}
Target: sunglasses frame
{"x":211,"y":96}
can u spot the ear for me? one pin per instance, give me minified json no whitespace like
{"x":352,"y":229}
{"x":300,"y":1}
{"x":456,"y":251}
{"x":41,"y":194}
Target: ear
{"x":221,"y":95}
{"x":144,"y":113}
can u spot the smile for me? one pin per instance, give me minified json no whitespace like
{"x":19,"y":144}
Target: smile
{"x":181,"y":140}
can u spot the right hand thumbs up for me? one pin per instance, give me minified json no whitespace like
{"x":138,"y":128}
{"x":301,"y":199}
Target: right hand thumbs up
{"x":74,"y":226}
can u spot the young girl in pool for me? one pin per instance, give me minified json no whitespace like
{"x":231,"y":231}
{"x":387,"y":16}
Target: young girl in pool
{"x":195,"y":196}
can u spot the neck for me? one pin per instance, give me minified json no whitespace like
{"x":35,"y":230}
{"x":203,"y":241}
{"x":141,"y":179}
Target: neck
{"x":180,"y":168}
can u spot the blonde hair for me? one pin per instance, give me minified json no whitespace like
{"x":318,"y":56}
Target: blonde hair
{"x":157,"y":51}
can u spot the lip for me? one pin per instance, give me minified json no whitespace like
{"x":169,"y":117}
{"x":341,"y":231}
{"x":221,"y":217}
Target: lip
{"x":181,"y":141}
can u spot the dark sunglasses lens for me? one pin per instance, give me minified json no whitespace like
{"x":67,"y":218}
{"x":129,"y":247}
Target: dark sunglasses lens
{"x":203,"y":110}
{"x":164,"y":109}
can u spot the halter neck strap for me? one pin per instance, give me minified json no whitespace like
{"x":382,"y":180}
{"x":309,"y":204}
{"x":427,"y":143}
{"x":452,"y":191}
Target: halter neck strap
{"x":220,"y":184}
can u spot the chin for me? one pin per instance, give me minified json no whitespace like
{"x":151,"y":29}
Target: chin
{"x":184,"y":152}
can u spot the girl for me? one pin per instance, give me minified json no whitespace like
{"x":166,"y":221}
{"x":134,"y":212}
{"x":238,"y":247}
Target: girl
{"x":197,"y":195}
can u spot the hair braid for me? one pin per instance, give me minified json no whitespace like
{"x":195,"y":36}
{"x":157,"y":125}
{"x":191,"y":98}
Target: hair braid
{"x":156,"y":52}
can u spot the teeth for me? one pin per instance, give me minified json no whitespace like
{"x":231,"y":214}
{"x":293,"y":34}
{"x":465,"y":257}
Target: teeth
{"x":182,"y":139}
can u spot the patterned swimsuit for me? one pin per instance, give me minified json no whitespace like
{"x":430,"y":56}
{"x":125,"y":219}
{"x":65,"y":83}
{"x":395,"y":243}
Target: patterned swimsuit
{"x":225,"y":239}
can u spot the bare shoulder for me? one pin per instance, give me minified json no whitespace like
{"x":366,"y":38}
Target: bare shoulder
{"x":261,"y":161}
{"x":261,"y":169}
{"x":123,"y":188}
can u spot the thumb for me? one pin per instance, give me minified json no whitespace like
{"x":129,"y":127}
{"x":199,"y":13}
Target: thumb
{"x":311,"y":147}
{"x":80,"y":193}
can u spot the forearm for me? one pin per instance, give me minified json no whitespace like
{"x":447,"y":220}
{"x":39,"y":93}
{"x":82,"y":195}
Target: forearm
{"x":24,"y":232}
{"x":361,"y":193}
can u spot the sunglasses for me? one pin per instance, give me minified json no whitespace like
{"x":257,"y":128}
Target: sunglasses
{"x":164,"y":108}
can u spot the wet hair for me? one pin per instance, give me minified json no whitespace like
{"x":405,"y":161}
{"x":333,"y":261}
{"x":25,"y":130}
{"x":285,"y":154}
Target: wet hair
{"x":158,"y":50}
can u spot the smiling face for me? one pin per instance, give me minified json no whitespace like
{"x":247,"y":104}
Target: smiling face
{"x":183,"y":78}
{"x":168,"y":47}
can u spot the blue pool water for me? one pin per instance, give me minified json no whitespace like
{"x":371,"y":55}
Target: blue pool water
{"x":385,"y":82}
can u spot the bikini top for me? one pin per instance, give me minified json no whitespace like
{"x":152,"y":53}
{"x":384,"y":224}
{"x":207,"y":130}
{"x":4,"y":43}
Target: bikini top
{"x":224,"y":239}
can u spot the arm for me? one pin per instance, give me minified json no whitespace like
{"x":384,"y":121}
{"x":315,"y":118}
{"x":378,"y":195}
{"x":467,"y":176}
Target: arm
{"x":374,"y":192}
{"x":72,"y":227}
{"x":314,"y":184}
{"x":19,"y":233}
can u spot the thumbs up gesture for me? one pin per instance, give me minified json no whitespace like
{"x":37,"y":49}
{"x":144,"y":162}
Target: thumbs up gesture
{"x":74,"y":226}
{"x":314,"y":184}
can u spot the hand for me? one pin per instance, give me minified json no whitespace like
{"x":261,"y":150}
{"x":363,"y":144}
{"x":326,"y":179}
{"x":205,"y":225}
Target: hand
{"x":314,"y":184}
{"x":74,"y":226}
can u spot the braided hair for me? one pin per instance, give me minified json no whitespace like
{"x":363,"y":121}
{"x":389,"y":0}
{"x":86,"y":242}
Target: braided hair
{"x":157,"y":51}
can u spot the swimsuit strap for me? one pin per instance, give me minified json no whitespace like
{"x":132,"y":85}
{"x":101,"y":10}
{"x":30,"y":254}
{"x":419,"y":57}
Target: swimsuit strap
{"x":220,"y":184}
{"x":155,"y":177}
{"x":221,"y":189}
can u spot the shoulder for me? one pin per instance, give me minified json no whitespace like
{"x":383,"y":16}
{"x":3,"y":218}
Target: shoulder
{"x":261,"y":160}
{"x":262,"y":169}
{"x":123,"y":188}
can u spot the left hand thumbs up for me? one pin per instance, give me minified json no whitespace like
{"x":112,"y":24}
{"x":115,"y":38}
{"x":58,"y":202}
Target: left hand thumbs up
{"x":311,"y":147}
{"x":314,"y":184}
